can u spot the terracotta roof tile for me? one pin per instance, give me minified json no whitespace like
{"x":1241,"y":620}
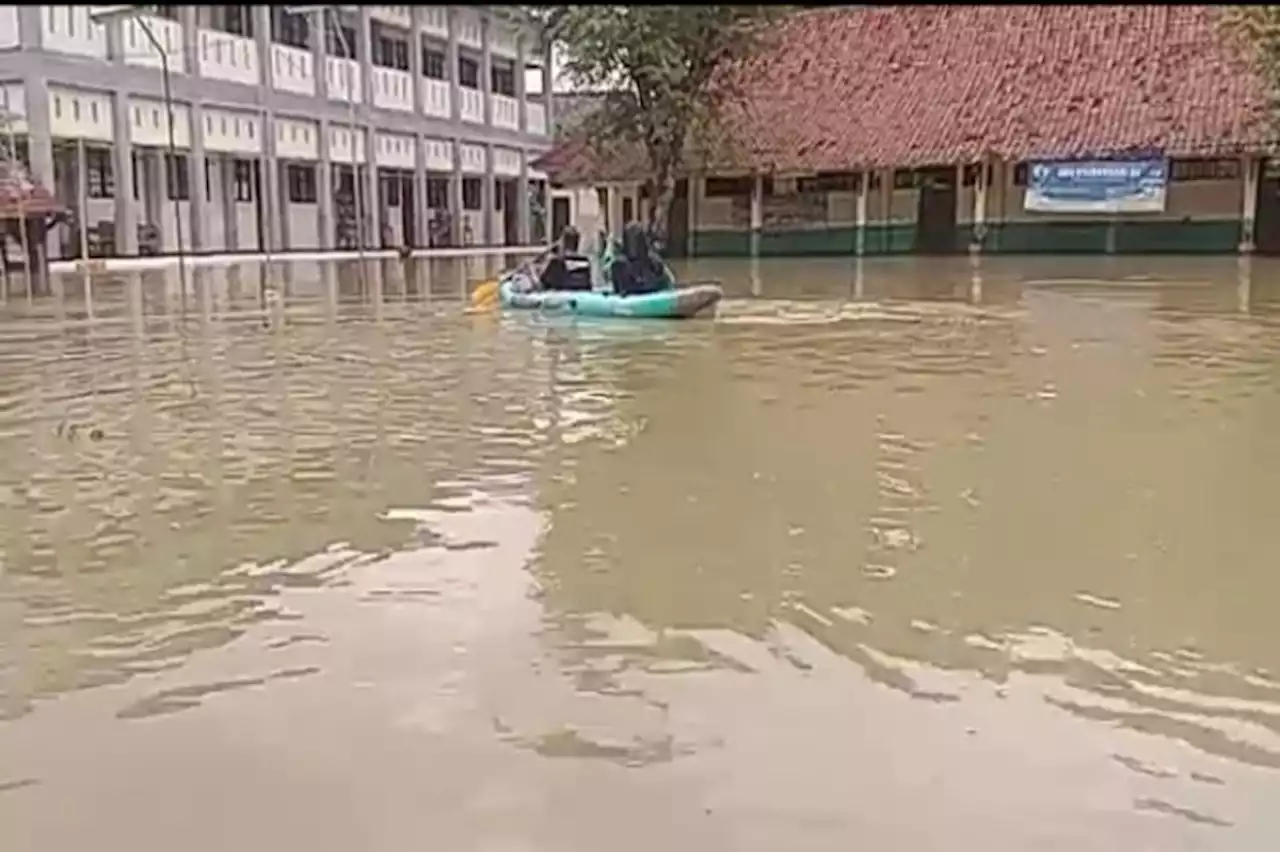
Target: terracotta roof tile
{"x":930,"y":85}
{"x":21,"y":196}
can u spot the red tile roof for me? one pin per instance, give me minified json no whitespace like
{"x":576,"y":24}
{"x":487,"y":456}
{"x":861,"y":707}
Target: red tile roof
{"x":20,"y":196}
{"x":932,"y":85}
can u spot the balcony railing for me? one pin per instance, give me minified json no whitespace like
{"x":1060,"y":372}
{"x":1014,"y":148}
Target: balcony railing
{"x":224,"y":56}
{"x":293,"y":70}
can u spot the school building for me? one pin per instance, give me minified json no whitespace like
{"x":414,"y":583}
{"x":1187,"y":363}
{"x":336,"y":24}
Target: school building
{"x":904,"y":129}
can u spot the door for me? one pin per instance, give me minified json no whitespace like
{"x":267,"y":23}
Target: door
{"x":936,"y":212}
{"x":1266,"y":225}
{"x":561,"y":214}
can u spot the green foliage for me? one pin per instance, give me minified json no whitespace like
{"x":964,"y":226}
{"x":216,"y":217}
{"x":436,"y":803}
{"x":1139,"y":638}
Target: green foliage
{"x":661,"y":69}
{"x":1259,"y":26}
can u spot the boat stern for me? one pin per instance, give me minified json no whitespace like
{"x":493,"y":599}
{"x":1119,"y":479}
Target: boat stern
{"x":697,"y":300}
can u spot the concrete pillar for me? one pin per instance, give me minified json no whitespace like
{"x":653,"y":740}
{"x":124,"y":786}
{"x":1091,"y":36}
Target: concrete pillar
{"x":455,"y":193}
{"x":262,"y":40}
{"x":270,"y":187}
{"x":455,"y":97}
{"x":486,"y":68}
{"x":372,"y":203}
{"x":487,"y":195}
{"x":364,"y":50}
{"x":420,"y":211}
{"x":324,"y":191}
{"x":226,"y":190}
{"x":548,"y":81}
{"x":1251,"y":167}
{"x":126,"y":213}
{"x":30,"y":33}
{"x":978,"y":239}
{"x":319,"y":25}
{"x":415,"y":57}
{"x":757,"y":213}
{"x":860,"y":212}
{"x":40,"y":137}
{"x":188,"y":16}
{"x":522,"y":96}
{"x":522,"y":197}
{"x":158,"y":190}
{"x":195,"y":162}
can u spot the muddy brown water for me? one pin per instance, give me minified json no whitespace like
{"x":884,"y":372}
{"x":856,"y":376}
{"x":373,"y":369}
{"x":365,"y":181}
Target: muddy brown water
{"x":905,"y":554}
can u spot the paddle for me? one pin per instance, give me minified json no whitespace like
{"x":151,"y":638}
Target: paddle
{"x":485,"y":296}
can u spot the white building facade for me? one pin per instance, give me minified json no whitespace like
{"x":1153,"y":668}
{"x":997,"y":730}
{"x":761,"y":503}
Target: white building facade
{"x":266,"y":118}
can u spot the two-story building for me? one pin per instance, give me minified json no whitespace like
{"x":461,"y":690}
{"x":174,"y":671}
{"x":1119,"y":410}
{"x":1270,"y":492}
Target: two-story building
{"x":246,"y":128}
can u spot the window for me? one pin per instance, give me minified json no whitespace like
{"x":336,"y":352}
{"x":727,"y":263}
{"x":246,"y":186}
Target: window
{"x":437,"y":193}
{"x":237,"y":20}
{"x":971,"y":173}
{"x":389,"y":189}
{"x":178,"y":176}
{"x":502,"y":76}
{"x":433,"y":61}
{"x":728,"y":187}
{"x":389,"y":50}
{"x":1204,"y":169}
{"x":824,"y":182}
{"x":468,"y":72}
{"x":1020,"y":174}
{"x":100,"y":180}
{"x":906,"y":179}
{"x":471,"y":194}
{"x":301,"y":181}
{"x":289,"y":29}
{"x":243,"y":178}
{"x":344,"y":47}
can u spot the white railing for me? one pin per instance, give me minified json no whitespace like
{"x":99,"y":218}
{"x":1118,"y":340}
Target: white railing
{"x":345,"y":83}
{"x":435,"y":98}
{"x":292,"y":70}
{"x":392,"y":89}
{"x":471,"y":105}
{"x":138,"y":49}
{"x":535,"y":119}
{"x":506,"y":112}
{"x":226,"y":56}
{"x":66,"y":29}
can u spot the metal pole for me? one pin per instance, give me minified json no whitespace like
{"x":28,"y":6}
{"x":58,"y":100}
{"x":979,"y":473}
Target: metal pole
{"x":173,"y":156}
{"x":329,"y":16}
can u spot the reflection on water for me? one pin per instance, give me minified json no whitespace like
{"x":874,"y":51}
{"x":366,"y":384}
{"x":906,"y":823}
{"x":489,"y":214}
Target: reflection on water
{"x":900,"y":549}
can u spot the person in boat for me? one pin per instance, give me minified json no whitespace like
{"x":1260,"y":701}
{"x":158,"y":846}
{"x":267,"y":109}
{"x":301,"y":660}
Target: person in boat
{"x":637,"y":268}
{"x":568,"y":268}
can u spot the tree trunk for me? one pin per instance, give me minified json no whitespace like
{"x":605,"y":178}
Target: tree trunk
{"x":660,"y":205}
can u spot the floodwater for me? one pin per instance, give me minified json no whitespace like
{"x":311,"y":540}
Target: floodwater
{"x":910,"y":554}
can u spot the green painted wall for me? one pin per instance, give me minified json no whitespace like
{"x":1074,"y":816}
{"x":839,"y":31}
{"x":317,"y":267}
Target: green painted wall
{"x":1019,"y":237}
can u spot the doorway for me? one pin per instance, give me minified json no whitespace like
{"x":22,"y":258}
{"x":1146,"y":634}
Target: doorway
{"x":936,"y":211}
{"x":561,"y":214}
{"x":1266,"y":225}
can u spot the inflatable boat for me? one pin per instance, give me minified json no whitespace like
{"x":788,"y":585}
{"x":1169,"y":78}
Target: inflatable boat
{"x":517,"y":289}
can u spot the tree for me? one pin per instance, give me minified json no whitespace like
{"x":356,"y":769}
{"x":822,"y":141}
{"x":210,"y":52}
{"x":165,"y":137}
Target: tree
{"x":662,"y":72}
{"x":1259,"y":26}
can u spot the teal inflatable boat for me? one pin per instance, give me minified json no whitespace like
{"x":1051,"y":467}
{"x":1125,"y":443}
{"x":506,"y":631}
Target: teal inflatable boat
{"x":518,"y":289}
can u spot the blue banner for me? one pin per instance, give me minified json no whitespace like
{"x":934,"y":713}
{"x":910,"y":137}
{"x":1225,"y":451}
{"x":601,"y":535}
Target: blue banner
{"x":1097,"y":186}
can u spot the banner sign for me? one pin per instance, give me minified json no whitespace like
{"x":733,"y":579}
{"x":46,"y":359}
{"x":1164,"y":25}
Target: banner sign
{"x":1097,"y":186}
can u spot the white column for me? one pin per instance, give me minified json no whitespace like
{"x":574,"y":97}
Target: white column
{"x":126,"y":213}
{"x":420,"y":212}
{"x":979,"y":234}
{"x":195,"y":165}
{"x":522,"y":194}
{"x":522,"y":96}
{"x":860,"y":212}
{"x":487,"y":193}
{"x":227,"y":195}
{"x":188,"y":17}
{"x":262,"y":41}
{"x":270,"y":187}
{"x":372,"y":203}
{"x":456,"y":210}
{"x":324,"y":190}
{"x":548,"y":80}
{"x":451,"y":58}
{"x":486,"y":68}
{"x":364,"y":49}
{"x":415,"y":57}
{"x":318,"y":22}
{"x":757,"y":213}
{"x":1251,"y":167}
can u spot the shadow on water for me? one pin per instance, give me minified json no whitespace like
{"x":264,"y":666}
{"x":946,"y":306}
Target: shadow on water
{"x":1000,"y":491}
